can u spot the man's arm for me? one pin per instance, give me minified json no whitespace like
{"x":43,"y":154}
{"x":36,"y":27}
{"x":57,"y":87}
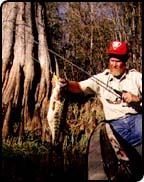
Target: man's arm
{"x":74,"y":87}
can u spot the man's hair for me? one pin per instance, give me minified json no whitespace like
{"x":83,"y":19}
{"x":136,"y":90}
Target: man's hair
{"x":123,"y":58}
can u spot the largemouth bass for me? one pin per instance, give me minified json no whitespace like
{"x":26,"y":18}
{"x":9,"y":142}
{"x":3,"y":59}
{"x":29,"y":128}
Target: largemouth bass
{"x":55,"y":115}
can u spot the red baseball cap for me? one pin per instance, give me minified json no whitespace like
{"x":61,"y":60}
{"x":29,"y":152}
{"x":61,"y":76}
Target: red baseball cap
{"x":117,"y":47}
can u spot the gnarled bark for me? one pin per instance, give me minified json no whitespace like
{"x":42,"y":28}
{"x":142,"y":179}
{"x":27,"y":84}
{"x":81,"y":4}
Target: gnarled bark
{"x":8,"y":27}
{"x":25,"y":67}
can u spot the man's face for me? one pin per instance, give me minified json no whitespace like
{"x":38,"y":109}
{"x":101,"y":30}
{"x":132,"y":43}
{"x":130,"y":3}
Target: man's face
{"x":116,"y":66}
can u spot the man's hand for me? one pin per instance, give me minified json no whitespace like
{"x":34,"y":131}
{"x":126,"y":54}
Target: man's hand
{"x":129,"y":97}
{"x":55,"y":79}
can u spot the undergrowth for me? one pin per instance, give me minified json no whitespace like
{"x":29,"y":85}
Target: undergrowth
{"x":29,"y":158}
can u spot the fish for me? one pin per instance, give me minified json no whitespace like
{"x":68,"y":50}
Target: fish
{"x":56,"y":110}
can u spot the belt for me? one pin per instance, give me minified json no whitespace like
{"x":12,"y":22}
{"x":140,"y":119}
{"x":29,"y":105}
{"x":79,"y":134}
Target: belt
{"x":123,"y":117}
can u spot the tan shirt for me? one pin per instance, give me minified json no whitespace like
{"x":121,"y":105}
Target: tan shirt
{"x":131,"y":81}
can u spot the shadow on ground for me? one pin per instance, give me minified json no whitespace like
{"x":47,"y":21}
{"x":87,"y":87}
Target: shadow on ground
{"x":41,"y":168}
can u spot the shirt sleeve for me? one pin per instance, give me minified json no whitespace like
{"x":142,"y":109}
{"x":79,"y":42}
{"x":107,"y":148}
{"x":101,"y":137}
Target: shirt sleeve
{"x":89,"y":86}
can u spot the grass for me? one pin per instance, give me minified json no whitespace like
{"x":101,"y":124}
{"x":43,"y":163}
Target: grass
{"x":31,"y":159}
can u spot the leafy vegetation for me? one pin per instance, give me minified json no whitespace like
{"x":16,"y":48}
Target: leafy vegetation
{"x":30,"y":154}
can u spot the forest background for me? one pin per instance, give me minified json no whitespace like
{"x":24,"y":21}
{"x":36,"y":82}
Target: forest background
{"x":39,"y":37}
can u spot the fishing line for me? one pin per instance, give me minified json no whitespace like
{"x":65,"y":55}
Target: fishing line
{"x":99,"y":82}
{"x":105,"y":86}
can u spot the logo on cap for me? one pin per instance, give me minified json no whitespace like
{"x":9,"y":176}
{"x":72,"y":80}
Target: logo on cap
{"x":116,"y":44}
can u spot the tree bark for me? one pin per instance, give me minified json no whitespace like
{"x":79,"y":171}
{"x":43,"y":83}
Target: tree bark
{"x":25,"y":68}
{"x":8,"y":22}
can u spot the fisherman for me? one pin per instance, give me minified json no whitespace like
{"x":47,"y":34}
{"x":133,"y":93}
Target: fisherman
{"x":122,"y":96}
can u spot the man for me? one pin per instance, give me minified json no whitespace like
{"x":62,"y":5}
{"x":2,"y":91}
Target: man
{"x":122,"y":113}
{"x":120,"y":91}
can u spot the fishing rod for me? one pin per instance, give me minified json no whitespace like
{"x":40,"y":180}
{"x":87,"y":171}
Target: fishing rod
{"x":101,"y":83}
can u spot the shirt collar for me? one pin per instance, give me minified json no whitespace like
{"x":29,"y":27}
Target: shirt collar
{"x":111,"y":77}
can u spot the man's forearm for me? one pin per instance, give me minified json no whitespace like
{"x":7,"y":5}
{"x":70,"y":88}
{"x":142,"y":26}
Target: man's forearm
{"x":74,"y":87}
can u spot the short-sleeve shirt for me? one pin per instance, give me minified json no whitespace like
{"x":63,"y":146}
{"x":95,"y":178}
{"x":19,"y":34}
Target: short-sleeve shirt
{"x":131,"y":81}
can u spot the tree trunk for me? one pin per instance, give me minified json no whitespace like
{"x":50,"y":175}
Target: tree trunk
{"x":25,"y":68}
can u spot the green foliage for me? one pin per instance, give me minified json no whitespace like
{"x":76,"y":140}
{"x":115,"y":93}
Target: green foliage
{"x":89,"y":27}
{"x":24,"y":147}
{"x":31,"y":157}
